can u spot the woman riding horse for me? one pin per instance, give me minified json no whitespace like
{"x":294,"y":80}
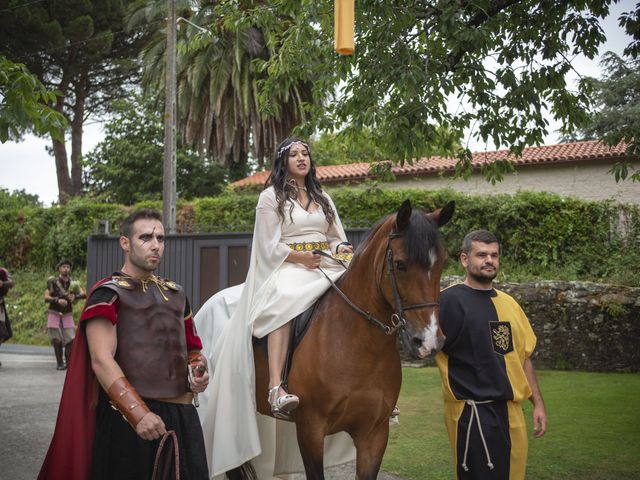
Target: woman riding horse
{"x":347,"y":368}
{"x":295,"y":218}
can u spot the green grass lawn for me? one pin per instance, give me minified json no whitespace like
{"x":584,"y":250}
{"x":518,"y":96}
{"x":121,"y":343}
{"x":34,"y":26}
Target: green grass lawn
{"x":594,"y":428}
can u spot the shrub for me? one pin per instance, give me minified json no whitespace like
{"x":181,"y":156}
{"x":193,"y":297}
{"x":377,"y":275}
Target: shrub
{"x":542,"y":234}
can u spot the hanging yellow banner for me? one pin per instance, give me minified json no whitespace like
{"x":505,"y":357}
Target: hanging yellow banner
{"x":344,"y":26}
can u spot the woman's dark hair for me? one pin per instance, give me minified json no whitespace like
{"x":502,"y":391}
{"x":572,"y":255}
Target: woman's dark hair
{"x":285,"y":190}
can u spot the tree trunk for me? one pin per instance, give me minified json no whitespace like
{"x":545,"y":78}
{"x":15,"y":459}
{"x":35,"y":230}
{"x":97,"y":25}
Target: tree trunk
{"x":65,"y":190}
{"x":76,"y":138}
{"x":62,"y":172}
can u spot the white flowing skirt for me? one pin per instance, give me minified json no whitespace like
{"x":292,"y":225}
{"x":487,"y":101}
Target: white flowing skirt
{"x":234,"y":432}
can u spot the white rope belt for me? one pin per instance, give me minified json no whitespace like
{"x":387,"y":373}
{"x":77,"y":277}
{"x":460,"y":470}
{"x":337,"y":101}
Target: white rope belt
{"x":476,"y":415}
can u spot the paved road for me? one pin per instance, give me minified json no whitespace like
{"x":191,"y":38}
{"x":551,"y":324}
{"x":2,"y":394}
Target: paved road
{"x":30,"y":388}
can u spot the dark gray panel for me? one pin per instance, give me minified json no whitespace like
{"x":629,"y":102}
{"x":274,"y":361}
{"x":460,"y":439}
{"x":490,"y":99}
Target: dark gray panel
{"x":184,"y":261}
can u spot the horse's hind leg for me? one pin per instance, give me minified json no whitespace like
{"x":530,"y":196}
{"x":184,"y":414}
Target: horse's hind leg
{"x":370,"y":449}
{"x":311,"y":443}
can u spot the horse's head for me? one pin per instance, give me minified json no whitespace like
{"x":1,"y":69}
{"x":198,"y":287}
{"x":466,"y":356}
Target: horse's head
{"x":410,"y":279}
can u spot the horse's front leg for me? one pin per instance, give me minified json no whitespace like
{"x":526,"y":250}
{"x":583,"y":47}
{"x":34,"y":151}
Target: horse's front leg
{"x":311,"y":443}
{"x":370,"y":448}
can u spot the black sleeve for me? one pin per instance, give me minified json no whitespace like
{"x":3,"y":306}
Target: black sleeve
{"x":451,"y":317}
{"x":100,"y":295}
{"x":187,"y":308}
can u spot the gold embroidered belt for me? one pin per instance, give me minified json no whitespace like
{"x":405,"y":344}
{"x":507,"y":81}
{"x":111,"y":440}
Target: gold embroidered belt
{"x":308,"y":246}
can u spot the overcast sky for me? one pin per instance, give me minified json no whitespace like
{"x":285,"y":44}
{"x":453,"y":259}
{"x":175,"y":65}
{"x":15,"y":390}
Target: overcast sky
{"x":28,"y":166}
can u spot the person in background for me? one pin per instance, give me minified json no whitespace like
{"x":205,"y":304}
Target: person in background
{"x":486,"y":369}
{"x":61,"y":294}
{"x":6,"y":284}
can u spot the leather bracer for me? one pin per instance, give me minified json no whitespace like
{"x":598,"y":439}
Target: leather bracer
{"x":124,"y":398}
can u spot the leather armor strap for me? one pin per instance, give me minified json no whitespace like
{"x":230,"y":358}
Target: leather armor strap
{"x":125,"y":399}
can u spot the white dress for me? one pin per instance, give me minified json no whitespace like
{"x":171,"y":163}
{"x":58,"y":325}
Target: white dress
{"x":274,"y":292}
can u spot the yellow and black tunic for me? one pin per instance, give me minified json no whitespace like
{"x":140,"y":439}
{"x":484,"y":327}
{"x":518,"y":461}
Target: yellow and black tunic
{"x":483,"y":380}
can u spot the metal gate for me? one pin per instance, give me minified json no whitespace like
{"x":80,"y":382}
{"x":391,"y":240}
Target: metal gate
{"x":203,"y":263}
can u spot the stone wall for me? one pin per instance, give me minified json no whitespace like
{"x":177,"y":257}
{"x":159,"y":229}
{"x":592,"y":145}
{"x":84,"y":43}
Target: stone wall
{"x":581,"y":325}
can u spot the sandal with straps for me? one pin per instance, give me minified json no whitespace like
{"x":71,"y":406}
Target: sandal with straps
{"x":394,"y":418}
{"x":281,"y":406}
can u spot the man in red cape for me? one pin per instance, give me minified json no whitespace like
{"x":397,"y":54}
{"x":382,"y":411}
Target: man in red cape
{"x":133,"y":373}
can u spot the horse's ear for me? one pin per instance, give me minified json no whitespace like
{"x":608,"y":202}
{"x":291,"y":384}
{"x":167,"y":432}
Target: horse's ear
{"x":403,"y":218}
{"x":442,"y":215}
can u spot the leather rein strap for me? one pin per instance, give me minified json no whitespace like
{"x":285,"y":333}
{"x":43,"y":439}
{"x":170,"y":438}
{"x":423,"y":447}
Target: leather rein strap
{"x":397,"y":319}
{"x":387,"y":329}
{"x":159,"y":472}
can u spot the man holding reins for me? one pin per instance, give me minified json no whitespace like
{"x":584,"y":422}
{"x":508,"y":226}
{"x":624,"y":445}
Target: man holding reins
{"x":128,"y":404}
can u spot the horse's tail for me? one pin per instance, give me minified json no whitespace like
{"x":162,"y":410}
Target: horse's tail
{"x":243,"y":472}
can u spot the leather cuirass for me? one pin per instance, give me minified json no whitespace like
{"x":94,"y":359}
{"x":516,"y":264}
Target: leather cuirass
{"x":59,"y":287}
{"x":152,"y":348}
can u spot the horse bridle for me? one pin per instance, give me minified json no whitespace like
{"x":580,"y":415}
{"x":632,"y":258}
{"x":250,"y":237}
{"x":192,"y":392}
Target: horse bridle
{"x":397,"y":318}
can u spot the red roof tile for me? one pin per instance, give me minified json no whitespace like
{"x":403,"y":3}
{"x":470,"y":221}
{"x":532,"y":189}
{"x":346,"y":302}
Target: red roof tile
{"x":551,"y":154}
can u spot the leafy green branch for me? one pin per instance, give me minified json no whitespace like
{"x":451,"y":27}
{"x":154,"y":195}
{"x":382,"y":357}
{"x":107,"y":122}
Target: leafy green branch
{"x":26,"y":104}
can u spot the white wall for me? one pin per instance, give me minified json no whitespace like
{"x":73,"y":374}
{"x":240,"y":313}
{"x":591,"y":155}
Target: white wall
{"x":586,"y":181}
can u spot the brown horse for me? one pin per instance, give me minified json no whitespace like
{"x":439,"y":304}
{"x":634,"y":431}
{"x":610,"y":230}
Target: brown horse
{"x":346,"y":370}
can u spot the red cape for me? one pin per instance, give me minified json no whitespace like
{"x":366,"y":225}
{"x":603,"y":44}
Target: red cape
{"x":70,"y":452}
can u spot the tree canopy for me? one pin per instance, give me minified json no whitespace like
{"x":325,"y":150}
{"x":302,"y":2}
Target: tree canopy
{"x":78,"y":48}
{"x":126,"y":166}
{"x":496,"y":68}
{"x":424,"y":75}
{"x":218,"y":77}
{"x":616,"y":116}
{"x":18,"y":199}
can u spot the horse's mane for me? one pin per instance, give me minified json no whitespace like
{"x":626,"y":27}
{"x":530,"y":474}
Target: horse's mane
{"x":421,"y":236}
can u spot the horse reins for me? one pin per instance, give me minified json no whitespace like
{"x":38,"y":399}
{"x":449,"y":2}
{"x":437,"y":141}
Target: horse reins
{"x":387,"y":329}
{"x":397,"y":319}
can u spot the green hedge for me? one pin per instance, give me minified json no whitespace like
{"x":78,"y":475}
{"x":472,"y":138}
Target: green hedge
{"x":543,"y":234}
{"x":39,"y":237}
{"x":547,"y":235}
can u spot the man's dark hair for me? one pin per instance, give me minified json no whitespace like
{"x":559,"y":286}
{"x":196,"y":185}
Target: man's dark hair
{"x":482,"y":236}
{"x":126,"y":227}
{"x":64,"y":261}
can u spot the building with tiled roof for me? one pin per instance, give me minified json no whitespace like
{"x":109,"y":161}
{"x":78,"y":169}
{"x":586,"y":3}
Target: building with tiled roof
{"x":578,"y":169}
